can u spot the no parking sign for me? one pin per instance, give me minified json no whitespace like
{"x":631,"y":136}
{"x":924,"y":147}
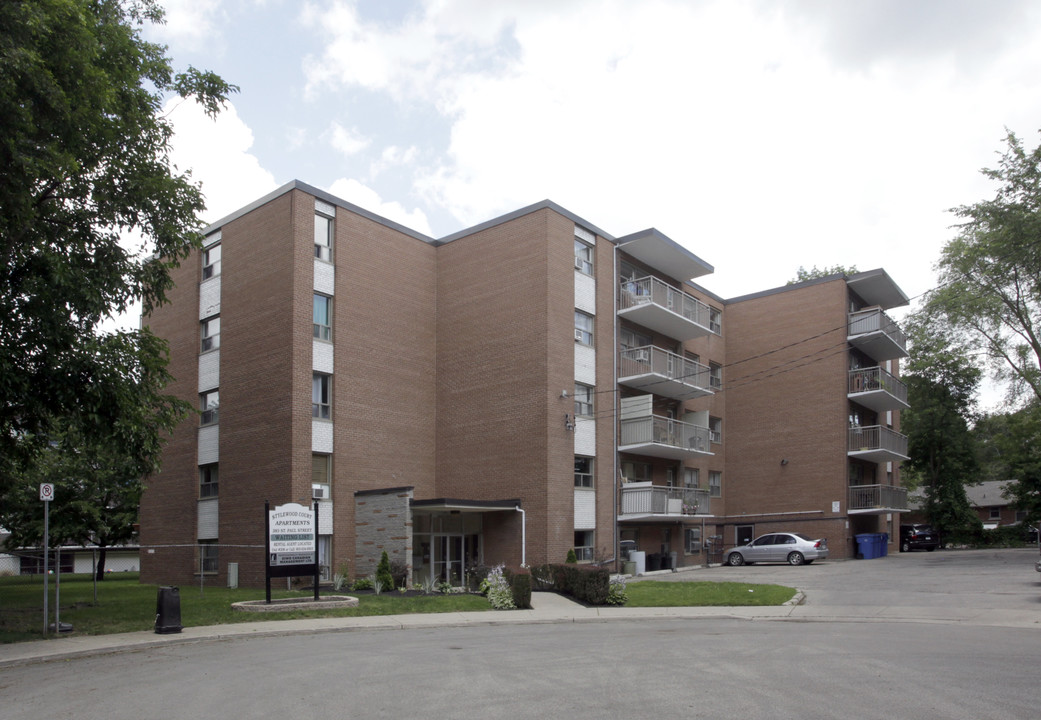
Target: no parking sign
{"x":46,"y":492}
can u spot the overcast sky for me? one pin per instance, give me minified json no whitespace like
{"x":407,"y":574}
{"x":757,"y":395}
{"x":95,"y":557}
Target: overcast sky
{"x":760,"y":135}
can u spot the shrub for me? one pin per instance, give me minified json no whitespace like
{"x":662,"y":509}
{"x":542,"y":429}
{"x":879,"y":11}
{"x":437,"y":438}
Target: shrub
{"x":587,"y":584}
{"x":616,"y":594}
{"x":383,"y":572}
{"x":399,"y":573}
{"x":572,"y":559}
{"x":520,"y":585}
{"x":500,"y":596}
{"x":475,"y":577}
{"x":362,"y":584}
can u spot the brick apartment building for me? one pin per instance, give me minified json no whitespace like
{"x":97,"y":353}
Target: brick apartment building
{"x":503,"y":394}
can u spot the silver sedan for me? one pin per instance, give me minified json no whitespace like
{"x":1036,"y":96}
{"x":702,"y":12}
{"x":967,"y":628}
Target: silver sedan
{"x":792,"y":548}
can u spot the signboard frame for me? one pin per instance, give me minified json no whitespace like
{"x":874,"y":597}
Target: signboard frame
{"x":286,"y":564}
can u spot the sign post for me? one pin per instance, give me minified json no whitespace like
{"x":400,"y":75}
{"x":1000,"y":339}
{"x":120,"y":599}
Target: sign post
{"x":292,"y":543}
{"x":46,"y":495}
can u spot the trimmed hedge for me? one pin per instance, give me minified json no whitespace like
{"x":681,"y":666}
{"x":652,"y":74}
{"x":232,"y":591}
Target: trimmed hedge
{"x":585,"y":583}
{"x":520,"y":586}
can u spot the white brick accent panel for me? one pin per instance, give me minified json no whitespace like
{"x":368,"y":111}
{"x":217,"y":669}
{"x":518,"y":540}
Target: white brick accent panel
{"x":209,"y":370}
{"x":322,"y":356}
{"x":209,"y":442}
{"x":585,"y":293}
{"x":585,"y":437}
{"x":321,"y":436}
{"x":585,"y":509}
{"x":325,"y":518}
{"x":324,"y":208}
{"x":324,"y":277}
{"x":585,"y":364}
{"x":209,"y":298}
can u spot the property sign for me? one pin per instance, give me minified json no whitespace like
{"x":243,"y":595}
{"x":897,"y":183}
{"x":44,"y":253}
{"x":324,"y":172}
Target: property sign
{"x":292,"y":532}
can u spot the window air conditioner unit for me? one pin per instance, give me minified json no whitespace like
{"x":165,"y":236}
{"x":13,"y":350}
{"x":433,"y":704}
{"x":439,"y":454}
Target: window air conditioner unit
{"x":318,"y":493}
{"x":579,"y":263}
{"x":579,"y":335}
{"x":642,"y":356}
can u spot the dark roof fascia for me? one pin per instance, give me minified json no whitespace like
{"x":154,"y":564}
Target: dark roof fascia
{"x":384,"y":491}
{"x":786,"y":288}
{"x":706,"y":291}
{"x":543,"y":205}
{"x":321,"y":195}
{"x":659,"y":235}
{"x":477,"y":504}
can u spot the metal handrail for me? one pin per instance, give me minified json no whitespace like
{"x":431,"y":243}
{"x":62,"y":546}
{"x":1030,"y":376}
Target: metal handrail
{"x":875,"y":378}
{"x":653,"y":360}
{"x":877,"y":497}
{"x":651,"y":289}
{"x":873,"y":320}
{"x":655,"y":500}
{"x":664,"y":431}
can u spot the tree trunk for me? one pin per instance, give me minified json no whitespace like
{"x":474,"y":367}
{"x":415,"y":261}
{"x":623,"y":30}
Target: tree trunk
{"x":100,"y":573}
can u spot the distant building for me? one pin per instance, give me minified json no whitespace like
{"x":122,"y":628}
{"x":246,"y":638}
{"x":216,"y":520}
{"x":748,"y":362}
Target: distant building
{"x":993,"y":508}
{"x":509,"y":392}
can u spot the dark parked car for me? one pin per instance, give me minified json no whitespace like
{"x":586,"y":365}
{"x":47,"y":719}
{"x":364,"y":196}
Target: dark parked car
{"x":918,"y":537}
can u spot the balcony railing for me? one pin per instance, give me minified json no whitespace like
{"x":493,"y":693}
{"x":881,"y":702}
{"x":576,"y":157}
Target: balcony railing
{"x":877,"y":389}
{"x":876,"y":334}
{"x":867,"y":499}
{"x":663,"y":373}
{"x":647,"y":499}
{"x":659,"y":436}
{"x":655,"y":304}
{"x":877,"y":444}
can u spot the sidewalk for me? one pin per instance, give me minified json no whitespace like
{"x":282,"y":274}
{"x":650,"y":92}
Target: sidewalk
{"x":548,"y":608}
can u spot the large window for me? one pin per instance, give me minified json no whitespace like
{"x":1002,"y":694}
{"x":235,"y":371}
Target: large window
{"x":583,"y":472}
{"x":208,"y":559}
{"x":584,"y":545}
{"x":320,"y":486}
{"x":321,"y":396}
{"x":583,"y":327}
{"x":583,"y":400}
{"x":715,"y":483}
{"x":211,"y":334}
{"x":691,"y":477}
{"x":636,"y":471}
{"x":209,"y":403}
{"x":715,"y":320}
{"x":692,"y":540}
{"x":715,"y":378}
{"x":631,"y":339}
{"x":323,"y":238}
{"x":583,"y":257}
{"x":715,"y":429}
{"x":211,"y":262}
{"x":208,"y":477}
{"x":323,"y":316}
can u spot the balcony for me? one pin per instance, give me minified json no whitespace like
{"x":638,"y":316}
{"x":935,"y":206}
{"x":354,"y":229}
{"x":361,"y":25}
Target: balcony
{"x":644,"y":501}
{"x":875,"y":334}
{"x":877,"y":499}
{"x":655,"y":304}
{"x":877,"y":389}
{"x":877,"y":444}
{"x":663,"y":373}
{"x":663,"y":437}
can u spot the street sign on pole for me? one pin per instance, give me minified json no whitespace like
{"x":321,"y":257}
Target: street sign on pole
{"x":46,"y":492}
{"x":46,"y":495}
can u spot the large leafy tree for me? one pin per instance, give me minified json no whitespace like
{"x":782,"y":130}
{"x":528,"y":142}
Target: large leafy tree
{"x":1010,"y":446}
{"x":990,"y":273}
{"x":84,"y":164}
{"x":802,"y":274}
{"x":942,"y":384}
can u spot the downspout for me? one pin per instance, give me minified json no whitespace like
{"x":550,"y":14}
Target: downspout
{"x":616,"y":468}
{"x":524,"y":539}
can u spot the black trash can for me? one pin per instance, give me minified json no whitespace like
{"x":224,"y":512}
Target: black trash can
{"x":653,"y":562}
{"x":168,"y":611}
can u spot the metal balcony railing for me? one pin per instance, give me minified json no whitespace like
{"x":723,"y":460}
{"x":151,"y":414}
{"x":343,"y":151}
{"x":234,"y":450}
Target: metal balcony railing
{"x":647,"y":499}
{"x":663,"y":372}
{"x":872,"y":321}
{"x":652,"y":290}
{"x":875,"y":379}
{"x":877,"y":497}
{"x":658,"y":430}
{"x":877,"y":438}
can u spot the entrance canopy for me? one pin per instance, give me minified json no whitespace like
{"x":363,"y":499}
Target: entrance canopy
{"x":454,"y":505}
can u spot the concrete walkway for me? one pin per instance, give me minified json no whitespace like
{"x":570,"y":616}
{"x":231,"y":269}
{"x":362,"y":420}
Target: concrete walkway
{"x":547,"y":608}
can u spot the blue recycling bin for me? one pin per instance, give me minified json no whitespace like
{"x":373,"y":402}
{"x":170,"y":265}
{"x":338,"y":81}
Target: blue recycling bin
{"x":883,"y":547}
{"x":867,"y":545}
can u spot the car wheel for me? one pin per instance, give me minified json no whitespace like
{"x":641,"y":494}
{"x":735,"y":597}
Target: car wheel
{"x":809,"y":562}
{"x":796,"y":558}
{"x":735,"y":560}
{"x":930,"y":549}
{"x":905,"y":546}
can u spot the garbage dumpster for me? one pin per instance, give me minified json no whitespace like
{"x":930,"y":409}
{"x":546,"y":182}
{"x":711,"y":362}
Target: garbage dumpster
{"x":168,"y":611}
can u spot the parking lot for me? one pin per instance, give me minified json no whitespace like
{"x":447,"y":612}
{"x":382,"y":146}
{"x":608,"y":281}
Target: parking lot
{"x":999,"y":579}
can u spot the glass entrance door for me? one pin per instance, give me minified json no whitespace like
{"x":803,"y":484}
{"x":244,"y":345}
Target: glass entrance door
{"x":448,"y":559}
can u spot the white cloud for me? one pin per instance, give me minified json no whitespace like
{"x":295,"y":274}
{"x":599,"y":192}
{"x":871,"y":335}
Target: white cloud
{"x":355,"y":192}
{"x":190,"y":23}
{"x":217,"y":154}
{"x":346,"y":140}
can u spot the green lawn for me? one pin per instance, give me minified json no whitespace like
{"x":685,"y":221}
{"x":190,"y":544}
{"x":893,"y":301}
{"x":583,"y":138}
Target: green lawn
{"x":655,"y":593}
{"x":124,"y":605}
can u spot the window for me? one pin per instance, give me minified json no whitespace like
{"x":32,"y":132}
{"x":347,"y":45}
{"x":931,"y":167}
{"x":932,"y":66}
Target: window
{"x":583,"y":472}
{"x":323,"y":313}
{"x":691,"y":477}
{"x":636,"y":472}
{"x":715,"y":429}
{"x":584,"y":545}
{"x":208,"y":477}
{"x":715,"y":320}
{"x":208,"y":557}
{"x":323,"y":238}
{"x":715,"y":483}
{"x":211,"y":334}
{"x":995,"y":513}
{"x":583,"y":328}
{"x":583,"y":400}
{"x":211,"y":262}
{"x":631,"y":339}
{"x":583,"y":257}
{"x":209,"y":404}
{"x":320,"y":486}
{"x":321,"y":397}
{"x":692,"y":540}
{"x":715,"y":379}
